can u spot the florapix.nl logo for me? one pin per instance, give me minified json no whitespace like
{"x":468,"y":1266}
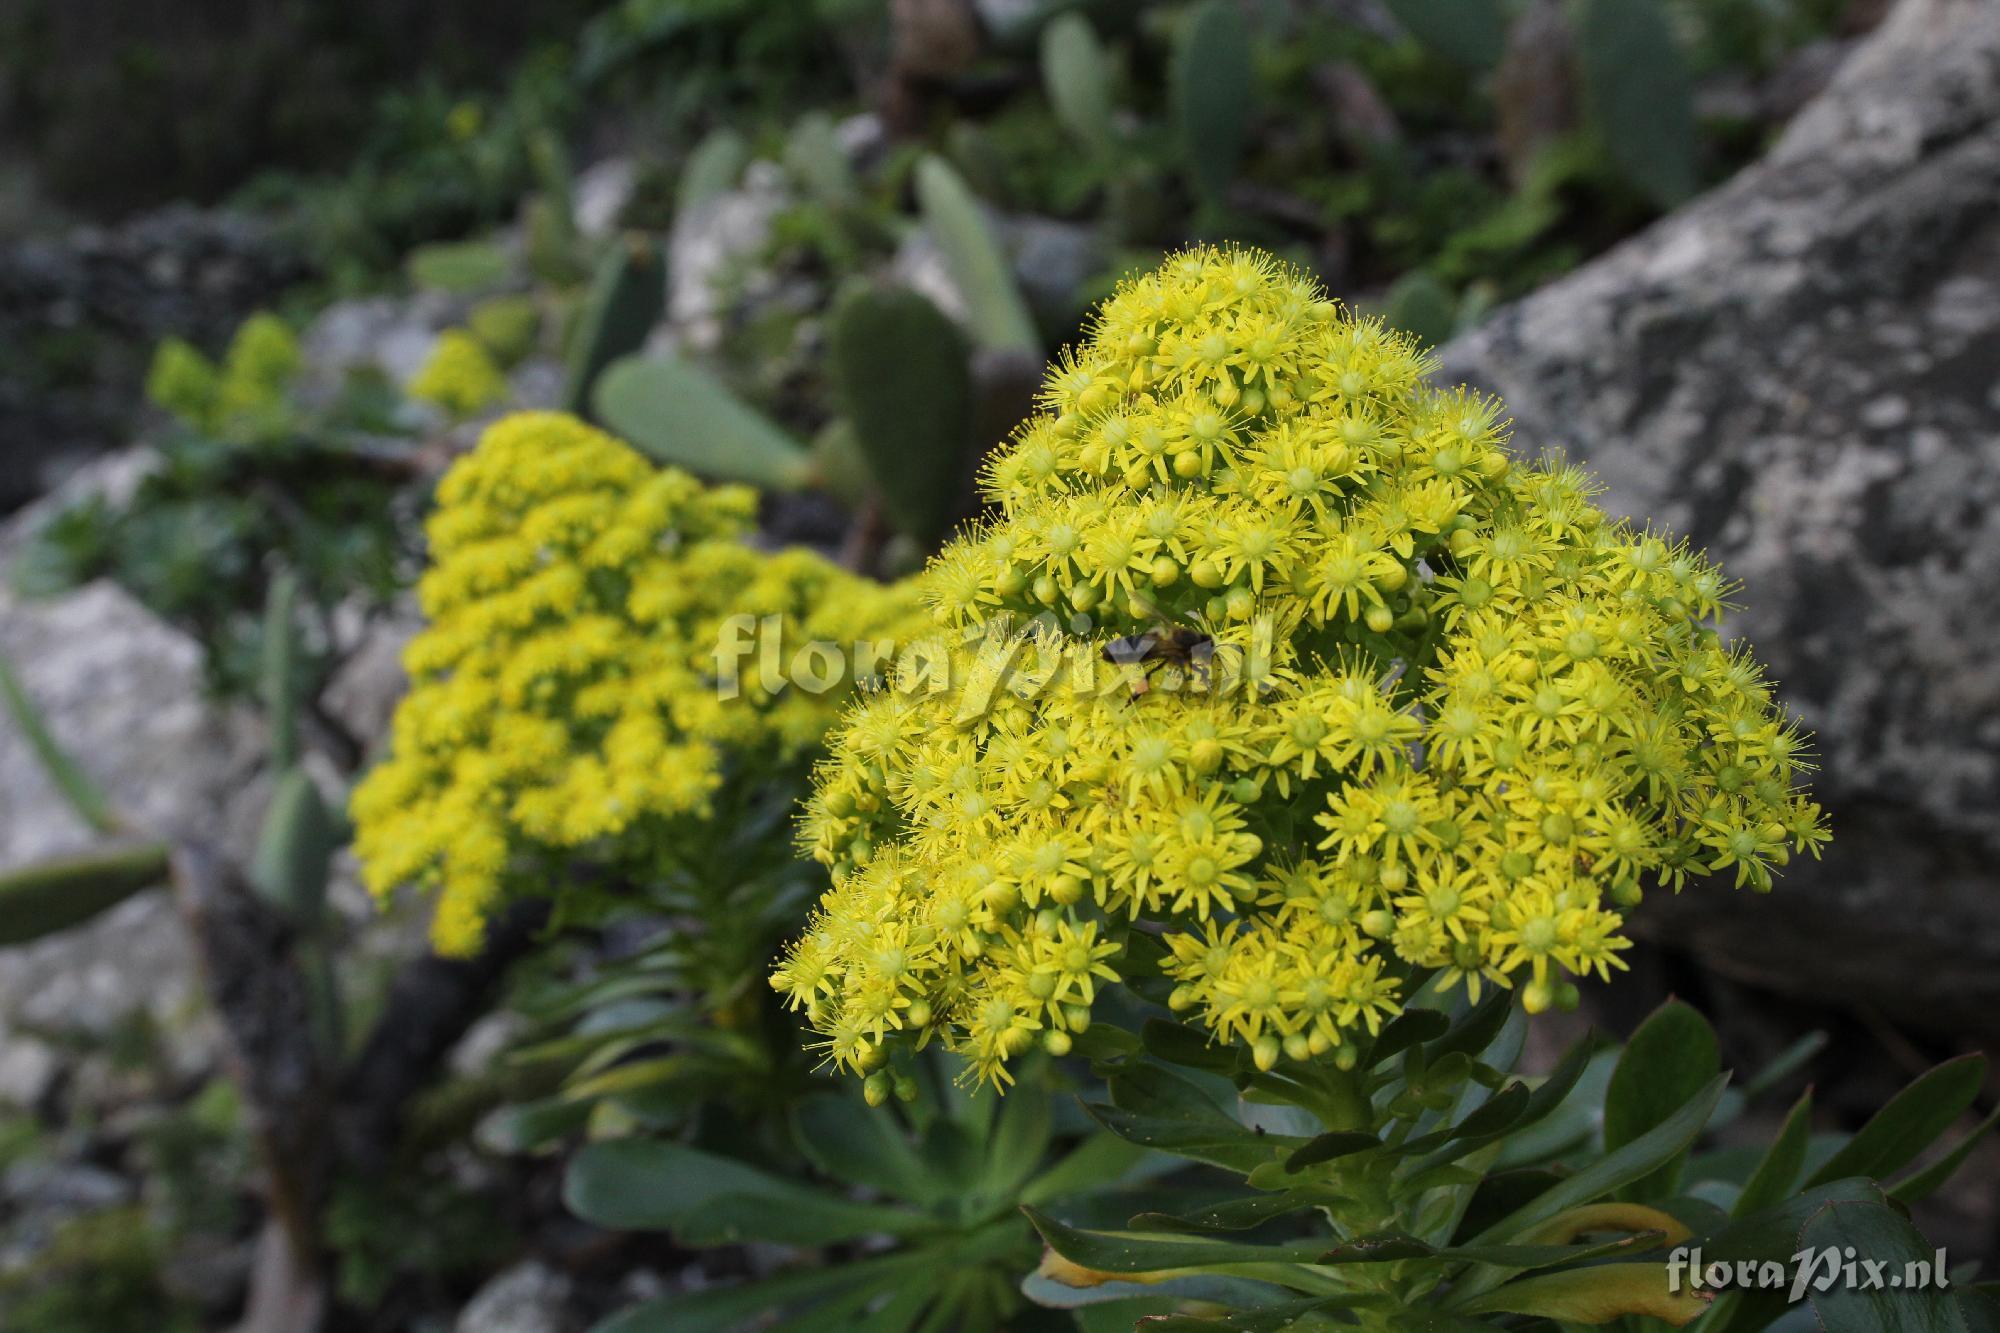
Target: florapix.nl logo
{"x":1808,"y":1271}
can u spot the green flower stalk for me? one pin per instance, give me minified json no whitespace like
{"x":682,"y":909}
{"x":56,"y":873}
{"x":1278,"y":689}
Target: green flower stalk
{"x":1437,"y":718}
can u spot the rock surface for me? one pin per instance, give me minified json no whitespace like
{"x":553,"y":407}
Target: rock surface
{"x":1801,"y":371}
{"x":709,"y":243}
{"x":528,"y":1298}
{"x":123,"y":693}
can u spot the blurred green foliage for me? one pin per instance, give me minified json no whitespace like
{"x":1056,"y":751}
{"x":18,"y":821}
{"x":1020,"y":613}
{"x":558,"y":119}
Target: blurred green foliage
{"x":254,"y":475}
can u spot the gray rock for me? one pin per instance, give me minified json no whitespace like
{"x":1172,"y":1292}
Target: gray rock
{"x":602,"y":190}
{"x":67,"y":1187}
{"x":123,"y":693}
{"x":710,"y":242}
{"x":1797,"y":371}
{"x":363,"y":691}
{"x":28,"y":1069}
{"x":112,"y":478}
{"x":919,"y":265}
{"x":1053,"y":261}
{"x":391,"y":334}
{"x":527,"y":1298}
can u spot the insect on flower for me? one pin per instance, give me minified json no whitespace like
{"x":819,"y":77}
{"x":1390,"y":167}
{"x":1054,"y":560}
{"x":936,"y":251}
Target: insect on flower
{"x":1187,"y":648}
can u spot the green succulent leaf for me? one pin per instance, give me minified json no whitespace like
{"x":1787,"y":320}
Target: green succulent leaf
{"x":815,"y":159}
{"x":705,"y":1199}
{"x":1911,"y":1122}
{"x":1671,"y":1057}
{"x":712,"y":168}
{"x":1611,"y":1172}
{"x":1019,"y":1140}
{"x":1421,"y":305}
{"x":677,"y":414}
{"x":726,"y":1309}
{"x":1179,"y":1044}
{"x":904,"y":375}
{"x":1101,"y":1161}
{"x":1076,"y":75}
{"x":1327,"y":1147}
{"x":463,"y":268}
{"x":1407,"y":1029}
{"x":83,"y":795}
{"x":54,"y":895}
{"x":281,"y":673}
{"x":529,"y":1126}
{"x":1234,"y":1214}
{"x":1473,"y":1031}
{"x":1640,"y":94}
{"x":1920,"y":1185}
{"x":627,"y":295}
{"x":1596,"y":1295}
{"x":1882,"y":1235}
{"x":862,"y":1145}
{"x":999,"y":316}
{"x":295,"y":848}
{"x":1782,"y":1164}
{"x":1283,"y":1315}
{"x":1470,"y":32}
{"x":1214,"y":88}
{"x":1157,"y":1251}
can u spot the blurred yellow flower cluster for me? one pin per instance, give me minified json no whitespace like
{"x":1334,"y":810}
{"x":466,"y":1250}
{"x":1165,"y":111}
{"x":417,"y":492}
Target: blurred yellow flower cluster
{"x":1448,"y":721}
{"x":245,"y":396}
{"x":459,"y":376}
{"x":564,"y":696}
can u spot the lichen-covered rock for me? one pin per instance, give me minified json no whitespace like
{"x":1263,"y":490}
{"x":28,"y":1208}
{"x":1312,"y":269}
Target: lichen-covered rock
{"x":1801,"y":371}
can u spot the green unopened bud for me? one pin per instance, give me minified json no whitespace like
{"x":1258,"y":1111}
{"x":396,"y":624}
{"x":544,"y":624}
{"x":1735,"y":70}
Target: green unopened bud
{"x":876,"y":1089}
{"x":1057,"y":1041}
{"x":1265,"y":1052}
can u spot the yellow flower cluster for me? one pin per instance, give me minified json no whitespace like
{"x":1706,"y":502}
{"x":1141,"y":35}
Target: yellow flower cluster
{"x":244,"y":396}
{"x":564,"y":696}
{"x":459,"y":376}
{"x":1448,"y":717}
